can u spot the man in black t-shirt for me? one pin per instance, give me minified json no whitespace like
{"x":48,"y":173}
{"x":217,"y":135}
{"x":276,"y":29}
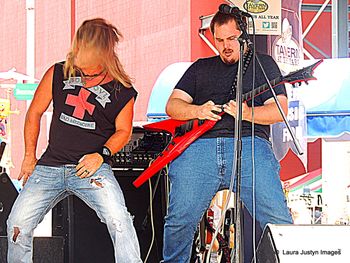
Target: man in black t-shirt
{"x":206,"y":166}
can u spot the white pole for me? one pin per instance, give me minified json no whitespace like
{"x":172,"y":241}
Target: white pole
{"x":335,"y":29}
{"x":30,"y":55}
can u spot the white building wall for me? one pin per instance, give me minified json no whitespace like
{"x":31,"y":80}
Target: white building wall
{"x":336,"y":179}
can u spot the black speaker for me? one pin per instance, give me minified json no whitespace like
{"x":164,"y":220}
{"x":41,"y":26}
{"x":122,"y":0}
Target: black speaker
{"x":304,"y":243}
{"x":88,"y":240}
{"x":45,"y":249}
{"x":8,"y":195}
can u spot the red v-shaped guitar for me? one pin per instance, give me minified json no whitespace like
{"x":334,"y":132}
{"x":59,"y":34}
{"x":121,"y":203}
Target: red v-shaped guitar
{"x":186,"y":132}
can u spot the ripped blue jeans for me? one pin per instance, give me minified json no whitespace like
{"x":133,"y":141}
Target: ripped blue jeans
{"x":47,"y":186}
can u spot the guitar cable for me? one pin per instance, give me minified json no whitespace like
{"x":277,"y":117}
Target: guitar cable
{"x":150,"y":210}
{"x":152,"y":219}
{"x":253,"y":151}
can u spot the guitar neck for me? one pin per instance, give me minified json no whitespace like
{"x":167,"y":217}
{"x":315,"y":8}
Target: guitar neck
{"x":247,"y":96}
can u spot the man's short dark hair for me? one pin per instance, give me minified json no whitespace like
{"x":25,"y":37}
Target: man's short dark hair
{"x":220,"y":19}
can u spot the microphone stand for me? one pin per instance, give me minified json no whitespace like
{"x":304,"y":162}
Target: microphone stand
{"x":239,"y":252}
{"x":295,"y":141}
{"x":238,"y":215}
{"x":244,"y":38}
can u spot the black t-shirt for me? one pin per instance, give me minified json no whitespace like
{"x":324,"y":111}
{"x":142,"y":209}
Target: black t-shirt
{"x":83,"y":118}
{"x":211,"y":79}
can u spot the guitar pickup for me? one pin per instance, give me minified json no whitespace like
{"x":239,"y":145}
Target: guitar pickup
{"x":184,"y":128}
{"x":200,"y":122}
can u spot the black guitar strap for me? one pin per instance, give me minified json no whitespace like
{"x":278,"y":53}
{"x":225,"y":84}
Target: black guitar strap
{"x":246,"y":61}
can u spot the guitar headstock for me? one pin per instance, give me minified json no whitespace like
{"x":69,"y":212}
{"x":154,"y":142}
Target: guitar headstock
{"x":302,"y":75}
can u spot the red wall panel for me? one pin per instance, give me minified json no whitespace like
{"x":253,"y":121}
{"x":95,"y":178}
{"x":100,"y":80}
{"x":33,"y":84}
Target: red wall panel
{"x":12,"y":54}
{"x":12,"y":35}
{"x":320,"y":34}
{"x":52,"y":33}
{"x":201,"y":8}
{"x":156,"y":34}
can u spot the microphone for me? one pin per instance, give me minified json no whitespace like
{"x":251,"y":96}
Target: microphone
{"x":234,"y":10}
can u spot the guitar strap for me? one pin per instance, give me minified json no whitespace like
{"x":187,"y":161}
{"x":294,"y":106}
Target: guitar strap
{"x":246,"y":61}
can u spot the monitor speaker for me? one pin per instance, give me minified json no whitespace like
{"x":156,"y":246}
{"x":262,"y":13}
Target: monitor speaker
{"x":304,"y":243}
{"x":88,"y":240}
{"x":8,"y":195}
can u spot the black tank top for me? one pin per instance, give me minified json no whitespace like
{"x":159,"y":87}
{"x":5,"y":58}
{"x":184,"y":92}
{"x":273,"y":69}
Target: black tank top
{"x":83,"y":118}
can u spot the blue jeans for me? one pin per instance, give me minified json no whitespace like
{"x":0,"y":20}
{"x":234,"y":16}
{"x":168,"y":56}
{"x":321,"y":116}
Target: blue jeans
{"x":47,"y":186}
{"x":204,"y":169}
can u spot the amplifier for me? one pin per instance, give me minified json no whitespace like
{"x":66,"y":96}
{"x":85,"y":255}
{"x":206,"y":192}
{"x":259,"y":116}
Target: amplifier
{"x":87,"y":239}
{"x":8,"y":195}
{"x":143,"y":147}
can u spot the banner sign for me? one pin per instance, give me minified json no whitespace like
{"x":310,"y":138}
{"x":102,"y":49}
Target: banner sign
{"x":281,"y":138}
{"x":287,"y":48}
{"x":266,"y":14}
{"x":287,"y":51}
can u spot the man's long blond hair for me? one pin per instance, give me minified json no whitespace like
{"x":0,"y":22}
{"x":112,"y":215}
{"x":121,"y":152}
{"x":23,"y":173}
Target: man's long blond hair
{"x":103,"y":36}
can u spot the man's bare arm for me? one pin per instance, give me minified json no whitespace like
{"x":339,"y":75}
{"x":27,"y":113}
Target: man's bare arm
{"x":180,"y":107}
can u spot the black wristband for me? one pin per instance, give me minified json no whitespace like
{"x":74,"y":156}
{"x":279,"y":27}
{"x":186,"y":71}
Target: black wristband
{"x":106,"y":154}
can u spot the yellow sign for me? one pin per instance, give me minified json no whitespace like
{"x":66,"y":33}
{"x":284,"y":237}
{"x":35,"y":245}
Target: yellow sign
{"x":255,"y":7}
{"x":266,"y":14}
